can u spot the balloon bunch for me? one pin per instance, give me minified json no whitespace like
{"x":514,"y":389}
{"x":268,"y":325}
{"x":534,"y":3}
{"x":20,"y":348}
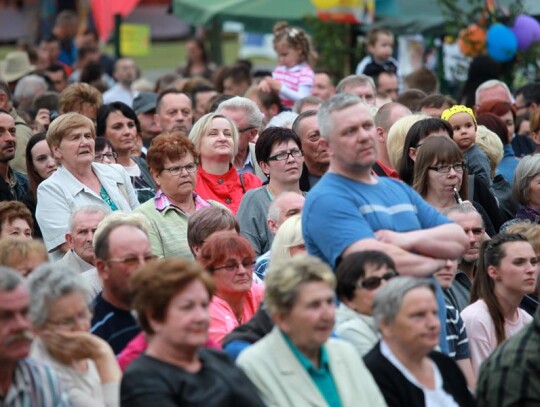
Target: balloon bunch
{"x":502,"y":43}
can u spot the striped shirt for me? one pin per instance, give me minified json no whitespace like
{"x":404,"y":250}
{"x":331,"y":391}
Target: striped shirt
{"x":456,"y":335}
{"x":34,"y":384}
{"x":510,"y":376}
{"x":296,"y":82}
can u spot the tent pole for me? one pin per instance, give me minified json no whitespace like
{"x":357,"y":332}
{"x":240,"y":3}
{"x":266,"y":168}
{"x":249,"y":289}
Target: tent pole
{"x":215,"y":42}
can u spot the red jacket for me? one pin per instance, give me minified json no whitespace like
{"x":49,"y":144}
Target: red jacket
{"x":227,"y":189}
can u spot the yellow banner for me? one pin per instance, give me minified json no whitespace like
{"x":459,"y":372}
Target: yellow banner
{"x":134,"y":40}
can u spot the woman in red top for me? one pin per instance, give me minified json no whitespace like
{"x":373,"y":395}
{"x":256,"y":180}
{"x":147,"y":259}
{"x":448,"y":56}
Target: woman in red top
{"x":216,"y":139}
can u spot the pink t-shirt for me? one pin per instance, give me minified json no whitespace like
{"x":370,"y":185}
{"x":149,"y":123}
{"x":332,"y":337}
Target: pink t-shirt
{"x":222,"y":316}
{"x":481,"y":331}
{"x":296,"y":82}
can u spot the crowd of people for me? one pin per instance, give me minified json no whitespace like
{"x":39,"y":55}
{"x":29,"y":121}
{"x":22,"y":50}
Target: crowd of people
{"x":226,"y":237}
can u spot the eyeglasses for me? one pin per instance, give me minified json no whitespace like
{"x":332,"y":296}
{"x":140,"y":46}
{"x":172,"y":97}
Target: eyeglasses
{"x":246,"y":129}
{"x":295,"y":153}
{"x":372,"y":283}
{"x":475,"y":231}
{"x":110,"y":155}
{"x":176,"y":170}
{"x":134,"y":261}
{"x":445,"y":169}
{"x":234,"y":267}
{"x":69,"y":322}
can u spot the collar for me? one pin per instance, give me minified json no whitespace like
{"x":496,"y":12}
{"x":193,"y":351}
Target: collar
{"x":231,"y":175}
{"x":389,"y":171}
{"x":162,"y":203}
{"x":304,"y":361}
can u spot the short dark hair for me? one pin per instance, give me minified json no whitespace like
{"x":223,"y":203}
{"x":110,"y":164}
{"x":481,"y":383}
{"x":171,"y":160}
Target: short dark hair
{"x":411,"y":98}
{"x":530,"y":93}
{"x":353,"y":267}
{"x":105,"y":110}
{"x":270,"y":137}
{"x":437,"y":101}
{"x":169,"y":91}
{"x":207,"y":221}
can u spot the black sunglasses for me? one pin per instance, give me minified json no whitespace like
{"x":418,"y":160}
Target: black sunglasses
{"x":372,"y":283}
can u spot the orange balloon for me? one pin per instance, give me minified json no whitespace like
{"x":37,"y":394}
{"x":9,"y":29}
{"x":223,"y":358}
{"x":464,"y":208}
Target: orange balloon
{"x":472,"y":40}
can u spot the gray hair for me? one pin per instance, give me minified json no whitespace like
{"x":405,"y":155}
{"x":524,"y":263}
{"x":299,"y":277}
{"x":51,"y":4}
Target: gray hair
{"x":389,"y":298}
{"x":88,"y":209}
{"x":248,"y":106}
{"x":9,"y":279}
{"x":528,"y":167}
{"x":355,"y":80}
{"x":336,"y":103}
{"x":463,"y":208}
{"x":492,"y":83}
{"x":275,"y":208}
{"x":284,"y":280}
{"x":28,"y":87}
{"x":298,"y":121}
{"x":283,"y":119}
{"x":110,"y":223}
{"x":48,"y":283}
{"x":308,"y":100}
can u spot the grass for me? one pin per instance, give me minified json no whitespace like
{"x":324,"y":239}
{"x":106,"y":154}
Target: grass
{"x":168,"y":55}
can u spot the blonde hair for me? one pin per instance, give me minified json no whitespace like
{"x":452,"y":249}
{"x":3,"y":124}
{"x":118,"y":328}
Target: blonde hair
{"x":202,"y":127}
{"x":14,"y":250}
{"x":288,"y":235}
{"x":397,"y":134}
{"x":284,"y":280}
{"x":492,"y":145}
{"x":530,"y":230}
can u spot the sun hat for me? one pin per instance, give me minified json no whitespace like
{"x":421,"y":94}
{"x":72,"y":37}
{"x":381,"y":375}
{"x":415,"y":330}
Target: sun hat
{"x":15,"y":66}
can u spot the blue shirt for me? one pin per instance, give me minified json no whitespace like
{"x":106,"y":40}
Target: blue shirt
{"x":321,"y":376}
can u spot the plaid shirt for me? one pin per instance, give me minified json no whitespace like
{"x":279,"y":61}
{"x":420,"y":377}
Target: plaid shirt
{"x":510,"y":376}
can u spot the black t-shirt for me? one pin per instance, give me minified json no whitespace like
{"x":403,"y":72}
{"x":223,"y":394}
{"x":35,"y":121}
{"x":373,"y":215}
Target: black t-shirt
{"x":152,"y":382}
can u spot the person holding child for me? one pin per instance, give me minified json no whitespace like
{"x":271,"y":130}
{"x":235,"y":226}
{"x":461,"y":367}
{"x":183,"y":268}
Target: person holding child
{"x":380,"y":47}
{"x":463,"y":122}
{"x":293,"y":78}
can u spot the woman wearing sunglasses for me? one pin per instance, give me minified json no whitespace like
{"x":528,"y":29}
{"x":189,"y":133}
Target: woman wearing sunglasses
{"x":359,"y":276}
{"x":230,"y":259}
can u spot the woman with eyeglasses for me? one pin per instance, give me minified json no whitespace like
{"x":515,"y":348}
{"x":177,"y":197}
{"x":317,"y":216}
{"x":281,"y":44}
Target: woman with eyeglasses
{"x":359,"y":277}
{"x":507,"y":271}
{"x":280,"y":156}
{"x":119,"y":124}
{"x":440,"y":176}
{"x":172,"y":300}
{"x":84,"y":363}
{"x":105,"y":153}
{"x":173,"y":162}
{"x":216,"y":140}
{"x":230,"y":259}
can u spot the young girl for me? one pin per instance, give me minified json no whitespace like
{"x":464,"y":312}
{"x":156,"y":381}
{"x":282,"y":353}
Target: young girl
{"x":463,"y":122}
{"x":293,"y":77}
{"x":507,"y":271}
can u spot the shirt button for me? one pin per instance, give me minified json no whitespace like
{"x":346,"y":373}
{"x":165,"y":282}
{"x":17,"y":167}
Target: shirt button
{"x":228,"y":201}
{"x":220,"y":181}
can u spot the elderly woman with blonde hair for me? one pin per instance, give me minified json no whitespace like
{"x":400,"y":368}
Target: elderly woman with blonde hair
{"x":216,"y":140}
{"x":78,"y":181}
{"x":298,"y":363}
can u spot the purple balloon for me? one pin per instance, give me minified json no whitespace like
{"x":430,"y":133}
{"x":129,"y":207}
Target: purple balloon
{"x":527,"y":30}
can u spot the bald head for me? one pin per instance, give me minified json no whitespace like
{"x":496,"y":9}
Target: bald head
{"x":283,"y":207}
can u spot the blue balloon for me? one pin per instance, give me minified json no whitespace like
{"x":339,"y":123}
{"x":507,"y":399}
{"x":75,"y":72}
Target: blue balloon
{"x":501,"y":43}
